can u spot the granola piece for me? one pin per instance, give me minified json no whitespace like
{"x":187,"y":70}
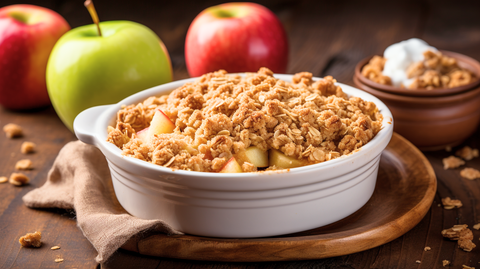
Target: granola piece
{"x":28,"y":147}
{"x":457,"y":232}
{"x":466,"y":244}
{"x":452,"y":162}
{"x":3,"y":179}
{"x":445,"y":262}
{"x":18,"y":179}
{"x":427,"y":249}
{"x":470,"y":173}
{"x":467,"y":153}
{"x":12,"y":130}
{"x":55,"y":248}
{"x":467,"y":267}
{"x":462,"y":234}
{"x":31,"y":240}
{"x":476,"y":226}
{"x":450,"y":204}
{"x":24,"y":164}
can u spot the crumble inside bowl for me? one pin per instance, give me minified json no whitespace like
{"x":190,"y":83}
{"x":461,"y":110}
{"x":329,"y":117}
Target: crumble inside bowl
{"x":228,"y":123}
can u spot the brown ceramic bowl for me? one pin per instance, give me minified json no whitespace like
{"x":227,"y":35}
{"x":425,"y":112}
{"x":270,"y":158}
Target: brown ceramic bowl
{"x":433,"y":119}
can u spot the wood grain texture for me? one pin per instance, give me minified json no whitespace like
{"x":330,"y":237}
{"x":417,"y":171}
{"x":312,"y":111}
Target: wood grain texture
{"x":326,"y":38}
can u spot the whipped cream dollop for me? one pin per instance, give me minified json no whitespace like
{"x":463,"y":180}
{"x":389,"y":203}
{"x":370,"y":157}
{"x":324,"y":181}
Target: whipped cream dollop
{"x":400,"y":56}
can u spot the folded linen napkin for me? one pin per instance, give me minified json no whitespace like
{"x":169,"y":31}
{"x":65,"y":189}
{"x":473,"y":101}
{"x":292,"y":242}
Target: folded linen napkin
{"x":80,"y":179}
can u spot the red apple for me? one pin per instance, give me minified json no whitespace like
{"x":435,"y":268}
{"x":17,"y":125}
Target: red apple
{"x":27,"y":36}
{"x":143,"y":134}
{"x":237,"y":37}
{"x":232,"y":166}
{"x":160,"y":124}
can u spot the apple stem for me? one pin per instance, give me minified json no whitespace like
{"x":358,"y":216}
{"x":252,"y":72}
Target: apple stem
{"x":93,"y":13}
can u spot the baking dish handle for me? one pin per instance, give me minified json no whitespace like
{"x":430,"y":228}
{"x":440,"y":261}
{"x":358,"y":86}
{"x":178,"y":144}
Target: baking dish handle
{"x":84,"y":123}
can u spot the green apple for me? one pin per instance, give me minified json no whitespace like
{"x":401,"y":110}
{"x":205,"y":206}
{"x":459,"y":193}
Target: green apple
{"x":86,"y":69}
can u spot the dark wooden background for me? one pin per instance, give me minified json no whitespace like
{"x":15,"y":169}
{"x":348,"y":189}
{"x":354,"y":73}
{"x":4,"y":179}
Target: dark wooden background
{"x":326,"y":38}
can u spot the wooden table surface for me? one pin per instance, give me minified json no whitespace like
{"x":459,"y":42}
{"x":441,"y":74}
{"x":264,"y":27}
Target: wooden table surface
{"x":326,"y":38}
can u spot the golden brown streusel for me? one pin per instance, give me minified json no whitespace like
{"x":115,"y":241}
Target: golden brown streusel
{"x":467,"y":153}
{"x":3,"y":179}
{"x":13,"y":130}
{"x":451,"y":203}
{"x":28,"y":147}
{"x":434,"y":72}
{"x":445,"y":262}
{"x":452,"y":162}
{"x":31,"y":240}
{"x":470,"y":173}
{"x":18,"y":179}
{"x":24,"y":164}
{"x":220,"y":115}
{"x":462,"y":234}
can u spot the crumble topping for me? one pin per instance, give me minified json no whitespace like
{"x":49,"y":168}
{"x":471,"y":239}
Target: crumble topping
{"x":13,"y":130}
{"x":451,"y":203}
{"x":24,"y":164}
{"x":462,"y":234}
{"x":434,"y":72}
{"x":452,"y":162}
{"x":467,"y":153}
{"x":470,"y":173}
{"x":221,"y":115}
{"x":31,"y":240}
{"x":28,"y":147}
{"x":18,"y":179}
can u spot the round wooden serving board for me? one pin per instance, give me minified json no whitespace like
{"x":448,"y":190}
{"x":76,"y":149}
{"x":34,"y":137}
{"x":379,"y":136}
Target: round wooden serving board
{"x":405,"y":189}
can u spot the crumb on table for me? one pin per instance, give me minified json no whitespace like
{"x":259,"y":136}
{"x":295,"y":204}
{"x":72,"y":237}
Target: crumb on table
{"x":24,"y":164}
{"x":467,"y":153}
{"x":18,"y":179}
{"x":12,"y":130}
{"x":31,"y":240}
{"x":445,"y":262}
{"x":452,"y":162}
{"x":451,"y":203}
{"x":28,"y":147}
{"x":470,"y":173}
{"x":3,"y":179}
{"x":427,"y":248}
{"x":462,"y":234}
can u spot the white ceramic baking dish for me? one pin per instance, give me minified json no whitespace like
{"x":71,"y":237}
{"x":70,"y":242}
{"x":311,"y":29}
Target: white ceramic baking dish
{"x":238,"y":205}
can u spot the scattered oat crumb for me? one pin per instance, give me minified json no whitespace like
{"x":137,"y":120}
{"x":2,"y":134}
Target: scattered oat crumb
{"x":445,"y":262}
{"x":3,"y":179}
{"x":450,"y":204}
{"x":59,"y":260}
{"x":427,"y":248}
{"x":31,"y":240}
{"x":448,"y":148}
{"x":467,"y":267}
{"x":18,"y":179}
{"x":470,"y":173}
{"x":467,"y":153}
{"x":24,"y":164}
{"x":452,"y":162}
{"x":28,"y":147}
{"x":55,"y":248}
{"x":476,"y":226}
{"x":12,"y":130}
{"x":462,"y":234}
{"x":418,"y":261}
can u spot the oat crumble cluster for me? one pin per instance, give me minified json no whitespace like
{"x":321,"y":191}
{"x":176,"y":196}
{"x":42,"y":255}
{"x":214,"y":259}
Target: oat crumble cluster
{"x":449,"y":203}
{"x":31,"y":240}
{"x":221,"y":115}
{"x":462,"y":234}
{"x":434,"y":72}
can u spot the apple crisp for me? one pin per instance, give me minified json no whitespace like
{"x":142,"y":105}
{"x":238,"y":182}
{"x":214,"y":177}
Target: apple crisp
{"x":221,"y":115}
{"x":436,"y":71}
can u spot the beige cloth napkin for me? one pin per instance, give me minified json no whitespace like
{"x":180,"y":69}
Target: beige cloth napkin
{"x":80,"y":180}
